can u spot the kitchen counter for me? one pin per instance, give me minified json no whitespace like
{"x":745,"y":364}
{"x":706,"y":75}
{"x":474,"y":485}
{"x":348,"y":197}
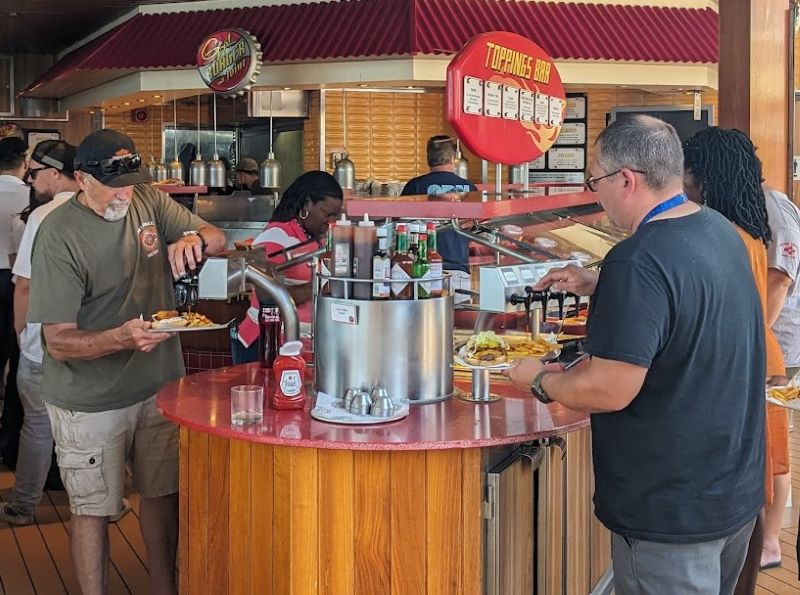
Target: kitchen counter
{"x":297,"y":506}
{"x":202,"y":402}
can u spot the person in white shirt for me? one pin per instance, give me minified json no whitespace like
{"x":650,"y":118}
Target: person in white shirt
{"x":51,"y":175}
{"x":14,"y":196}
{"x":783,"y":315}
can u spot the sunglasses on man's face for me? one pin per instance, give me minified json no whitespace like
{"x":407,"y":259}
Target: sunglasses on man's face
{"x":33,"y":172}
{"x":117,"y":165}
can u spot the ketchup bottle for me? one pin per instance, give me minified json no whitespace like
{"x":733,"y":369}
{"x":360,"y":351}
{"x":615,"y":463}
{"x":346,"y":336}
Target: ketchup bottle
{"x":289,"y":370}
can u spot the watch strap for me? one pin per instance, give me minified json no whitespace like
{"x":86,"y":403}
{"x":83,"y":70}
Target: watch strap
{"x":537,"y":390}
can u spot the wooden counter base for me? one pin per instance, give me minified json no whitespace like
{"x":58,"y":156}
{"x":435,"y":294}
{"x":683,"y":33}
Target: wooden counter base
{"x":258,"y":518}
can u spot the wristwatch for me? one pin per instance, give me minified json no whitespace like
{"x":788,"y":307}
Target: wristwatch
{"x":537,"y":390}
{"x":203,"y":243}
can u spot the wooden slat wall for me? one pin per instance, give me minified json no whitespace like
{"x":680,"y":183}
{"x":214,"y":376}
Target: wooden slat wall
{"x":387,"y":132}
{"x":261,"y":519}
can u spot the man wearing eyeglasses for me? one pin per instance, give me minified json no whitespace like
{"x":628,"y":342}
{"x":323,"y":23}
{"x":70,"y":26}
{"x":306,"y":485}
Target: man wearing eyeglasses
{"x":51,"y":175}
{"x":676,"y":391}
{"x":103,"y":262}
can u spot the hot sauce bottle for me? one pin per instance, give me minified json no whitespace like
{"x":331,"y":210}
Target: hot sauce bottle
{"x":289,"y":371}
{"x":436,"y":262}
{"x":402,"y":267}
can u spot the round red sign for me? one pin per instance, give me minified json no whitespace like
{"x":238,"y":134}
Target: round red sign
{"x":229,"y":61}
{"x":505,"y":98}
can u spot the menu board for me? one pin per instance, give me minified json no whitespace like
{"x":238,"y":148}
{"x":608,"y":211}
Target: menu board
{"x":542,"y":109}
{"x":565,"y":163}
{"x":492,"y":99}
{"x":572,"y":133}
{"x":556,"y":105}
{"x":510,"y":102}
{"x":556,"y":177}
{"x":473,"y":95}
{"x":562,"y":158}
{"x":564,"y":189}
{"x":504,"y":94}
{"x":576,"y":107}
{"x":526,"y":105}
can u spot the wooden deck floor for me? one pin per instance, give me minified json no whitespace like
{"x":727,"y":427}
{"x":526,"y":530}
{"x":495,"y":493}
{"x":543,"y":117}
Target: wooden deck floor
{"x":35,"y":560}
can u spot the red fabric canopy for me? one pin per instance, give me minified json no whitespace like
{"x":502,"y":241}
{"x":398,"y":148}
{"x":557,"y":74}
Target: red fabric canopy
{"x":369,"y":28}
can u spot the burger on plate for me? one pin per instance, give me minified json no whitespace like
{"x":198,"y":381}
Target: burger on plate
{"x":484,"y":349}
{"x":167,"y":319}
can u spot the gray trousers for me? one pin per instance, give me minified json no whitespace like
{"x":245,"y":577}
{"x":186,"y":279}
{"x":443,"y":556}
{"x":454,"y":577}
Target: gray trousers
{"x":35,"y":441}
{"x":651,"y":568}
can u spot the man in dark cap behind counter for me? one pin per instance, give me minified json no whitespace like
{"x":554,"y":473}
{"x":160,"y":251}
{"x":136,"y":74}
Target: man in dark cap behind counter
{"x":247,"y":175}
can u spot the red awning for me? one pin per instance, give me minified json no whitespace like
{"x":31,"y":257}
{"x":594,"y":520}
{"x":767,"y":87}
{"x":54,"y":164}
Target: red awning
{"x":371,"y":28}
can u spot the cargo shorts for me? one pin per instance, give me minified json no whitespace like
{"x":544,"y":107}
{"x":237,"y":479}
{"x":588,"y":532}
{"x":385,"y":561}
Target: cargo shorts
{"x":96,"y":449}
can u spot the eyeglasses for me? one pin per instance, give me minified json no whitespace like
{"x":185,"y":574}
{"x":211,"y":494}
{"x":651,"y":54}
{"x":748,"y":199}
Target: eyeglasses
{"x":591,"y":182}
{"x":117,"y":165}
{"x":33,"y":172}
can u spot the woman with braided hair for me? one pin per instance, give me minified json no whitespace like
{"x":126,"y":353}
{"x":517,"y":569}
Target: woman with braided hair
{"x":723,"y":172}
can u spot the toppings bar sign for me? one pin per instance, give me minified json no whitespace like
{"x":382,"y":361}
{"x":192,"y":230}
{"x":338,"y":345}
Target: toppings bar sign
{"x":229,"y":61}
{"x":505,"y":99}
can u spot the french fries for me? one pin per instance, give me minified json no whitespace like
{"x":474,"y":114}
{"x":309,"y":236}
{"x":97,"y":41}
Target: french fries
{"x":527,"y":348}
{"x":784,"y":394}
{"x":196,"y":319}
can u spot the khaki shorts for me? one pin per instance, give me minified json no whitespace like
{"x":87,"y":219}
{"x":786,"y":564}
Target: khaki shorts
{"x":95,"y":449}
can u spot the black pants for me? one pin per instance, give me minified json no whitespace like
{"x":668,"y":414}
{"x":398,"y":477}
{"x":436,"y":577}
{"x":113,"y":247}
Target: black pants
{"x":11,"y":419}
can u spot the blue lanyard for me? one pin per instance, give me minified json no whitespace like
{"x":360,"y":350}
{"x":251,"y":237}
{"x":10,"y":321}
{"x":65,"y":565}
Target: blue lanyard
{"x":668,"y":204}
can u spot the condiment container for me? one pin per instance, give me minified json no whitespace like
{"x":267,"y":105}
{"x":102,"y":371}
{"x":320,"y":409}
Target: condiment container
{"x":289,"y":371}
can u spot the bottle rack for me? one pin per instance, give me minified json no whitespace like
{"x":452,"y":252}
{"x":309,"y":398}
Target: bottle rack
{"x":347,"y":288}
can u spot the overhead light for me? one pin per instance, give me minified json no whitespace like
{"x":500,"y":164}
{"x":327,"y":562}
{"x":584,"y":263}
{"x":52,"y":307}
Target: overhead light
{"x":114,"y":106}
{"x":363,"y":85}
{"x":126,"y":103}
{"x":156,"y":96}
{"x":141,"y":100}
{"x":287,"y":88}
{"x":91,"y":111}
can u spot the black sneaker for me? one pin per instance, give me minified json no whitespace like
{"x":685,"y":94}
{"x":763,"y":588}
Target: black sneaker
{"x":10,"y":515}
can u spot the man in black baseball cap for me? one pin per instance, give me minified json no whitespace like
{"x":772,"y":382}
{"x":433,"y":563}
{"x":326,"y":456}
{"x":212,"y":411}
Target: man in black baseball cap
{"x":51,"y":176}
{"x":102,"y":264}
{"x":51,"y":161}
{"x":111,"y":157}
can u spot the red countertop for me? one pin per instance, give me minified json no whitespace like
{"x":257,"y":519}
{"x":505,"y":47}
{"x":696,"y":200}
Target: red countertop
{"x":202,"y":402}
{"x":462,"y":206}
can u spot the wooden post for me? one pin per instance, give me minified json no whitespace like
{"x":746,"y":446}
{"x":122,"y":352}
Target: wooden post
{"x":754,"y":79}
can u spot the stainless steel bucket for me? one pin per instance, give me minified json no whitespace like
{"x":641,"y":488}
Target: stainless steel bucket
{"x":404,"y":345}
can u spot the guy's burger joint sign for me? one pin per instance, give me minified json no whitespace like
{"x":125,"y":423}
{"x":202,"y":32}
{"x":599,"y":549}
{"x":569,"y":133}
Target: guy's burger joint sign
{"x":229,"y":61}
{"x":505,"y":98}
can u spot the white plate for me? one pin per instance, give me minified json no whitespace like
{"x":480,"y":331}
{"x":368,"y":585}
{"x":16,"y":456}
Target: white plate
{"x":495,"y":368}
{"x":793,"y":404}
{"x":329,"y":409}
{"x":186,"y":329}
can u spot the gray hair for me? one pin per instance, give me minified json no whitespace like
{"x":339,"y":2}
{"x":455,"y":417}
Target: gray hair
{"x":642,"y":143}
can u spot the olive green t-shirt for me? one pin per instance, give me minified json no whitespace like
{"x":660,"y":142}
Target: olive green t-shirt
{"x":100,"y":274}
